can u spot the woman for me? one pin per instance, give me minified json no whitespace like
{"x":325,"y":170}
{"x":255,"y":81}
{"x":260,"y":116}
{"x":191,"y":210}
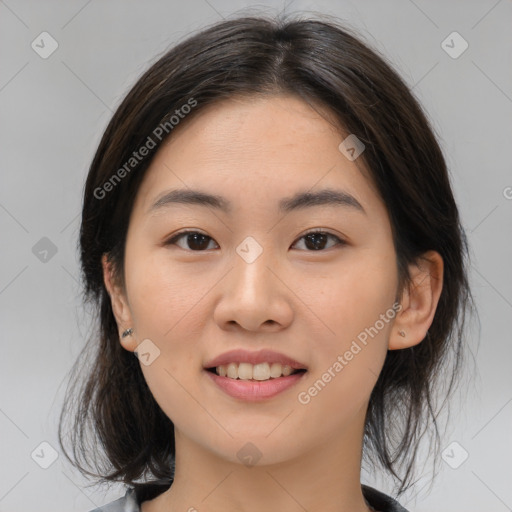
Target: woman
{"x":268,"y":226}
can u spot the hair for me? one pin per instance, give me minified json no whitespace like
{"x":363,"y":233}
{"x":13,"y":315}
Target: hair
{"x":116,"y":423}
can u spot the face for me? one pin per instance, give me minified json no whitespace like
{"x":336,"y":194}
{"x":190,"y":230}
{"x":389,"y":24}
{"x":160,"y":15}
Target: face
{"x":312,"y":281}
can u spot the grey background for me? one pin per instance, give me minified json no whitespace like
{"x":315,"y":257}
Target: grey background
{"x":53,"y":112}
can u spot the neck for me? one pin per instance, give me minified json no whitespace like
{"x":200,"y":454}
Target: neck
{"x":326,"y":479}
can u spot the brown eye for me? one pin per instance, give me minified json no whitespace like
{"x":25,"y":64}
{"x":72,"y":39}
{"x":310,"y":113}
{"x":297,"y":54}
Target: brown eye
{"x":317,"y":240}
{"x":194,"y":240}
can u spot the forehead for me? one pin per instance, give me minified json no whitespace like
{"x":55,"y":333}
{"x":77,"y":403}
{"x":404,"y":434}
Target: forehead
{"x":264,"y":148}
{"x":261,"y":126}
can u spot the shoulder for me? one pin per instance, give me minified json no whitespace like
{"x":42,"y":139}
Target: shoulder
{"x":127,"y":503}
{"x":135,"y":495}
{"x":380,"y":501}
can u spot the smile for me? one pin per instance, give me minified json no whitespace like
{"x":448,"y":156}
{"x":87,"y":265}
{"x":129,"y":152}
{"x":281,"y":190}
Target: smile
{"x":260,"y":372}
{"x":254,"y":376}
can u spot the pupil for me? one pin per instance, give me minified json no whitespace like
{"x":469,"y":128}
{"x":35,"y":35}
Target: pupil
{"x":197,"y":238}
{"x":316,"y":239}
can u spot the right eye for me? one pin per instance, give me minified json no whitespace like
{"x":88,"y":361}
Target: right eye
{"x":195,"y":240}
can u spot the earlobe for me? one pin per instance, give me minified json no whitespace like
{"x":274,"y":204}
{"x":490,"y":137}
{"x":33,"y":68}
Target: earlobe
{"x":120,"y":307}
{"x":419,"y":302}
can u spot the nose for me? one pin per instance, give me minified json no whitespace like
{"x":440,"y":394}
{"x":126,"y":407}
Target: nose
{"x":254,"y":296}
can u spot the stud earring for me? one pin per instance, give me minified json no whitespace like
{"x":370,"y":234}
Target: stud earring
{"x":128,"y":332}
{"x":402,"y":333}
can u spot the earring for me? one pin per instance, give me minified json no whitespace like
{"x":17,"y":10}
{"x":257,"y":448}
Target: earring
{"x":128,"y":332}
{"x":402,"y":333}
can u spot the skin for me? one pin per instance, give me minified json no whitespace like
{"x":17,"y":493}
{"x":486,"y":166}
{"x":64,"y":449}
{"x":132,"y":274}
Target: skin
{"x":307,"y":304}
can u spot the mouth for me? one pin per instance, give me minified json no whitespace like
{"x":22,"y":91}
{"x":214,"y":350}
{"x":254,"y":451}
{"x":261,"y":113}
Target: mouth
{"x":254,"y":376}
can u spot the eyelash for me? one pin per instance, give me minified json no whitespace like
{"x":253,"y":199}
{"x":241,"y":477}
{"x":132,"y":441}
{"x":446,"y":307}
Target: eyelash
{"x":175,"y":238}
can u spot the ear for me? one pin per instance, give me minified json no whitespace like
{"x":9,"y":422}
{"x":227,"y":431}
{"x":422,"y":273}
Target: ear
{"x":120,"y":306}
{"x":419,"y":301}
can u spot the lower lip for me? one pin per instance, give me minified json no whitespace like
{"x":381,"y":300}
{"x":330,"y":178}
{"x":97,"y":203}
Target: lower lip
{"x":253,"y":390}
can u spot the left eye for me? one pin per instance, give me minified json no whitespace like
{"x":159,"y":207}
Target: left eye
{"x":317,"y":239}
{"x":196,"y":241}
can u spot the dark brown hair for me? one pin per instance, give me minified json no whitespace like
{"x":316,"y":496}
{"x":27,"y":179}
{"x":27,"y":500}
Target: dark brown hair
{"x":117,"y":425}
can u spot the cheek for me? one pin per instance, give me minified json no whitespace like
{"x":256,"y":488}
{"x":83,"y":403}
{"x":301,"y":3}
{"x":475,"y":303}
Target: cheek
{"x":358,"y":309}
{"x":163,"y":303}
{"x":161,"y":297}
{"x":355,"y":306}
{"x":351,"y":297}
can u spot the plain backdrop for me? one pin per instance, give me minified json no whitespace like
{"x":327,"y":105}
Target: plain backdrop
{"x":53,"y":111}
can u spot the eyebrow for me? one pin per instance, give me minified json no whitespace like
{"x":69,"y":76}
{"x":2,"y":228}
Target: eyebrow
{"x":299,"y":201}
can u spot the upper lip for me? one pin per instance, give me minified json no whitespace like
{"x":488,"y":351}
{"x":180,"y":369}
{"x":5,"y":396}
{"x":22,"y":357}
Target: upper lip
{"x":261,"y":356}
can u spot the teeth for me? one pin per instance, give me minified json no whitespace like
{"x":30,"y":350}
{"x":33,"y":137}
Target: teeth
{"x":232,"y":371}
{"x":247,"y":371}
{"x":275,"y":370}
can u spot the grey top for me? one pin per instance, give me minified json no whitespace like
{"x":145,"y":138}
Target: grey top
{"x":131,"y":501}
